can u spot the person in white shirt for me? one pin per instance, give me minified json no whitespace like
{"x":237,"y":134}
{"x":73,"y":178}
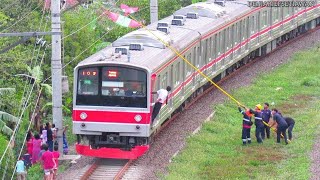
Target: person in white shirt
{"x":162,"y":97}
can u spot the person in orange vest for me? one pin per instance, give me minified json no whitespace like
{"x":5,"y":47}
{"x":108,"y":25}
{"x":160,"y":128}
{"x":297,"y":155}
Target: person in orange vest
{"x":246,"y":126}
{"x":258,"y":122}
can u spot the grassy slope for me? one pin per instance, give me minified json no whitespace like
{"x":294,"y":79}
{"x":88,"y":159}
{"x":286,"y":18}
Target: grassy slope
{"x":216,"y":152}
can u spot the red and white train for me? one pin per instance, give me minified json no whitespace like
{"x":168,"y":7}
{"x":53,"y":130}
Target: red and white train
{"x":112,"y":88}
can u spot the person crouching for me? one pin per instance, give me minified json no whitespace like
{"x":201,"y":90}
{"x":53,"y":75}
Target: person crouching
{"x":246,"y":126}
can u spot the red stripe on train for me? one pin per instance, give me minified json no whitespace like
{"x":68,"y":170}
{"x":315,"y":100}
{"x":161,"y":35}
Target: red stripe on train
{"x":111,"y":117}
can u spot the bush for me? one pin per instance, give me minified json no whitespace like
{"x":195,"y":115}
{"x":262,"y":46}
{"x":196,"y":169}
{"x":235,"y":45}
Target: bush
{"x":311,"y":81}
{"x":35,"y":172}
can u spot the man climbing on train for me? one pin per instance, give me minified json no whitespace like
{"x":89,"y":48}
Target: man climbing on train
{"x":162,"y":97}
{"x":258,"y":121}
{"x":246,"y":126}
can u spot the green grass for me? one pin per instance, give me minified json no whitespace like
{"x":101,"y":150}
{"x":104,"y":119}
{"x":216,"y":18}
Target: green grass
{"x":217,"y":151}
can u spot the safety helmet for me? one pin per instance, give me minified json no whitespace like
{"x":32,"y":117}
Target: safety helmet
{"x":259,"y":106}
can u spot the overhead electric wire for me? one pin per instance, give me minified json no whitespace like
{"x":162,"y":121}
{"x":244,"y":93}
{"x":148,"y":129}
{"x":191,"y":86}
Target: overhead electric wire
{"x":20,"y":117}
{"x":23,"y":17}
{"x":80,"y":54}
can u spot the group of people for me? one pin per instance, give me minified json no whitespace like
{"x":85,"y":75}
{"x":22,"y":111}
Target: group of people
{"x":42,"y":148}
{"x":262,"y":116}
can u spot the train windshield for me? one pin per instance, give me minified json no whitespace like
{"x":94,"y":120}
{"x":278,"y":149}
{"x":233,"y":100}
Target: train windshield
{"x":112,"y":86}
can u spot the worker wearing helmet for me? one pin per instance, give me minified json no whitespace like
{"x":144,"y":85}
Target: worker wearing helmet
{"x":282,"y":125}
{"x":258,"y":121}
{"x":246,"y":126}
{"x":266,"y":114}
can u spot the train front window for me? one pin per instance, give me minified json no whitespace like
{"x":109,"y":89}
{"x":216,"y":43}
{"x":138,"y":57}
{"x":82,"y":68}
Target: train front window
{"x":88,"y":79}
{"x":117,"y":87}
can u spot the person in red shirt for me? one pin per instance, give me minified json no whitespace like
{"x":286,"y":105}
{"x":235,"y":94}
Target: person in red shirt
{"x":56,"y":156}
{"x":48,"y":163}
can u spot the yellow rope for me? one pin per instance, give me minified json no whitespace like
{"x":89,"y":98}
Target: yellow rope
{"x":194,"y":67}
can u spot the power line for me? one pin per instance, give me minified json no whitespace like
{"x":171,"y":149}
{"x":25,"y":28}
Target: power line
{"x":20,"y":117}
{"x":25,"y":16}
{"x":80,"y":53}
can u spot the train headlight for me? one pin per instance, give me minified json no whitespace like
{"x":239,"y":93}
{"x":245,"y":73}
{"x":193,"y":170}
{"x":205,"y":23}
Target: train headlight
{"x":138,"y":118}
{"x":83,"y":115}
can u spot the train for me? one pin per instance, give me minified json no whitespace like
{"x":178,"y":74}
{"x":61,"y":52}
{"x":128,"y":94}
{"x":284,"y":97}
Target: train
{"x":112,"y":94}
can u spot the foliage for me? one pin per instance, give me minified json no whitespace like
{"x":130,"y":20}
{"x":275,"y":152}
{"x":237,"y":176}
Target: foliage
{"x":81,"y":29}
{"x":35,"y":172}
{"x":213,"y":152}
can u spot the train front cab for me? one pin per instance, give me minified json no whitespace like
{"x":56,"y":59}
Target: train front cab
{"x":111,"y":115}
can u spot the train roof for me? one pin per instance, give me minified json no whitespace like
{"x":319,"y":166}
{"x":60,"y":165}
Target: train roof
{"x":154,"y":53}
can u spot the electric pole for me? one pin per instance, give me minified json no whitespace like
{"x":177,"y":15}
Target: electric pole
{"x":56,"y":71}
{"x":153,"y":11}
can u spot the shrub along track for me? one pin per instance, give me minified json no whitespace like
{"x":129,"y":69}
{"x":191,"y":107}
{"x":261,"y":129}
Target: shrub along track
{"x":172,"y":138}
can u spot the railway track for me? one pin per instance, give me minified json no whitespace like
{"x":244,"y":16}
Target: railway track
{"x":106,"y":169}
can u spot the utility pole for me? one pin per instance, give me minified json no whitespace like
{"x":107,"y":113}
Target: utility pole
{"x":153,"y":11}
{"x":56,"y":71}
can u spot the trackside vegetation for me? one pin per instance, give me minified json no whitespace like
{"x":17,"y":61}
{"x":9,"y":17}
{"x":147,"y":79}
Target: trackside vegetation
{"x":216,"y":152}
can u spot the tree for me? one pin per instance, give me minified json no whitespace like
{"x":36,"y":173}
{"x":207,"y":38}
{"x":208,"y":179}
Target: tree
{"x":4,"y":116}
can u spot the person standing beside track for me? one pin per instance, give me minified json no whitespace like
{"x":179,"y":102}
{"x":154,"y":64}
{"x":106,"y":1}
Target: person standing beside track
{"x":246,"y":126}
{"x":282,"y":125}
{"x":258,"y":122}
{"x":162,"y":97}
{"x":266,"y":114}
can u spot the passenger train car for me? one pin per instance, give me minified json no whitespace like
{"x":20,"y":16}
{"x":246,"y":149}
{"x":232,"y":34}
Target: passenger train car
{"x":113,"y":88}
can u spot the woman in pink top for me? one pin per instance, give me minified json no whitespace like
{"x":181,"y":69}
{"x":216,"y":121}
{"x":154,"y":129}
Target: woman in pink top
{"x":30,"y":142}
{"x":56,"y":156}
{"x":48,"y":163}
{"x":36,"y":144}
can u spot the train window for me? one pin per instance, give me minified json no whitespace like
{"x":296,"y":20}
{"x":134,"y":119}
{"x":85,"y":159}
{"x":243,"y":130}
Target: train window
{"x":188,"y":67}
{"x":235,"y":33}
{"x":222,"y":41}
{"x":120,"y":81}
{"x":231,"y":36}
{"x":253,"y":24}
{"x":164,"y":80}
{"x":177,"y":74}
{"x":113,"y":86}
{"x":244,"y":29}
{"x":285,"y":12}
{"x":210,"y":48}
{"x":199,"y":57}
{"x":88,"y":81}
{"x":218,"y":44}
{"x":227,"y":40}
{"x":194,"y":56}
{"x":264,"y":19}
{"x":275,"y":14}
{"x":214,"y":50}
